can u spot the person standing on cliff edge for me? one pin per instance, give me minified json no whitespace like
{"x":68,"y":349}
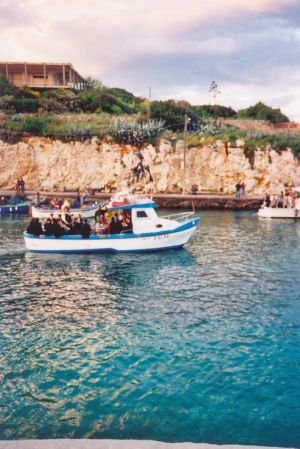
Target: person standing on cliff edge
{"x":243,"y":188}
{"x":238,"y":190}
{"x":22,"y":185}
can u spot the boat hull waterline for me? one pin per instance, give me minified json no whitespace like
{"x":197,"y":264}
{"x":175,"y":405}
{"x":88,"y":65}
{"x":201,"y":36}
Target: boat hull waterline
{"x":113,"y":243}
{"x":278,"y":212}
{"x":44,"y":213}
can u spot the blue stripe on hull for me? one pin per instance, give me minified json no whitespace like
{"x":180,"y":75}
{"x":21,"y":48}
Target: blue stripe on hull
{"x":107,"y":250}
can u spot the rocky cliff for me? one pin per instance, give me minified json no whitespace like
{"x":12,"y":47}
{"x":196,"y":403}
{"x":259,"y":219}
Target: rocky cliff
{"x":51,"y":164}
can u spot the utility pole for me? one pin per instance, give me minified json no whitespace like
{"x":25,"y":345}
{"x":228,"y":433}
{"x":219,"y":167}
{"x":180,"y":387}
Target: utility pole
{"x":148,"y":113}
{"x":186,"y":121}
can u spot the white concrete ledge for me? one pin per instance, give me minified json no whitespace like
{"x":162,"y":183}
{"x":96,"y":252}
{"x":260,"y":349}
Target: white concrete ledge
{"x":113,"y":444}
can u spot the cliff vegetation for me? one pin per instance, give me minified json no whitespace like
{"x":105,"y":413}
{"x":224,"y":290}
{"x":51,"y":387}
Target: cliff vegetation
{"x":116,"y":114}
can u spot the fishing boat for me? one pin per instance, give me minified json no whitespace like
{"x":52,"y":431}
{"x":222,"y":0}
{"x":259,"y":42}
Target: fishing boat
{"x":21,"y":208}
{"x":282,"y":212}
{"x":44,"y":212}
{"x":149,"y":231}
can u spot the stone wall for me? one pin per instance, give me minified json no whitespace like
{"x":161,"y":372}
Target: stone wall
{"x":51,"y":164}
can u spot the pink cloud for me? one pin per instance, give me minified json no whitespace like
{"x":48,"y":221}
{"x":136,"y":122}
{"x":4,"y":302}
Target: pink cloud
{"x":97,"y":35}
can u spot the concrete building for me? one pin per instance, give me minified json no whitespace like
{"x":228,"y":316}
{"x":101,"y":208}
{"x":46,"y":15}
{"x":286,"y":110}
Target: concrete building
{"x":42,"y":75}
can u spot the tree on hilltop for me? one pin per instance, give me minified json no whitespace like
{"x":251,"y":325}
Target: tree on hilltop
{"x":261,"y":111}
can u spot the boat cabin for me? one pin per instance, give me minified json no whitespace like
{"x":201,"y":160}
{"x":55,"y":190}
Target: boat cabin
{"x":144,"y":217}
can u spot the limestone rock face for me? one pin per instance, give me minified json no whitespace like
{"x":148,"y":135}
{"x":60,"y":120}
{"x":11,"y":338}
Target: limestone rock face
{"x":47,"y":164}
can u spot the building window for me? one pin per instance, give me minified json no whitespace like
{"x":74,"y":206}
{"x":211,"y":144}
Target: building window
{"x":37,"y":75}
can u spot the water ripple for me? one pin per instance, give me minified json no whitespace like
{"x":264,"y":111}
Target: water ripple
{"x":201,"y":344}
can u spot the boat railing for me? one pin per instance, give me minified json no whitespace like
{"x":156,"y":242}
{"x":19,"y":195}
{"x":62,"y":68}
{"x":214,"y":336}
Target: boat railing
{"x":180,"y":217}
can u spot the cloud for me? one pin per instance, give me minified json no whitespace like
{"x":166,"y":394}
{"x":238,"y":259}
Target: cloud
{"x":105,"y":33}
{"x":178,"y":46}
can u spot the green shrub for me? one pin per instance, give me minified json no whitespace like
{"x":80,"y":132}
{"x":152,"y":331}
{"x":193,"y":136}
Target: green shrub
{"x":173,"y":113}
{"x":7,"y":88}
{"x":35,"y":125}
{"x":51,"y":105}
{"x":261,"y":111}
{"x":58,"y":101}
{"x":206,"y":111}
{"x":25,"y":105}
{"x":7,"y":104}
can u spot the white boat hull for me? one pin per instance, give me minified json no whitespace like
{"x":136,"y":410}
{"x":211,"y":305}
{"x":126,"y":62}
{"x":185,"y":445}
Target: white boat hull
{"x":121,"y":242}
{"x":278,"y":212}
{"x":42,"y":213}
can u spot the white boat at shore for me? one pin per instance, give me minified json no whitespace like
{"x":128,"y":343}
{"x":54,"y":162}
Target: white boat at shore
{"x":282,"y":212}
{"x":149,"y":232}
{"x":44,"y":212}
{"x":278,"y":212}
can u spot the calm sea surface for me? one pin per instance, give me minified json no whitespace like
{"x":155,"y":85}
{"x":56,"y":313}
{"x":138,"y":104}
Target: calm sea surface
{"x":201,"y":344}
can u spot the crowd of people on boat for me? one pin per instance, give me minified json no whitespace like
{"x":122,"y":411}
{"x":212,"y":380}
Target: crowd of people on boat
{"x":105,"y":222}
{"x":285,"y":199}
{"x":58,"y":203}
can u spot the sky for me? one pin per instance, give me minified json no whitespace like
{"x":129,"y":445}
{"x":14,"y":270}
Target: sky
{"x":251,"y":48}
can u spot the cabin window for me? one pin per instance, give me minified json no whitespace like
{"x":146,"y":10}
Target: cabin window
{"x":141,"y":214}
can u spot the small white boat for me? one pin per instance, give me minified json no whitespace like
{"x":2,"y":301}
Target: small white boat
{"x":278,"y":212}
{"x":149,"y":232}
{"x":43,"y":212}
{"x":282,"y":212}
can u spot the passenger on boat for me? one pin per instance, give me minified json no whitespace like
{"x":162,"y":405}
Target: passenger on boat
{"x":126,"y":222}
{"x":280,"y":200}
{"x":35,"y":227}
{"x":38,"y":199}
{"x":14,"y":199}
{"x":286,"y":200}
{"x":267,"y":200}
{"x":100,"y":213}
{"x":66,"y":206}
{"x":76,"y":227}
{"x":115,"y":225}
{"x":97,"y":225}
{"x":53,"y":203}
{"x":85,"y":230}
{"x":57,"y":228}
{"x":48,"y":227}
{"x":67,"y":220}
{"x":84,"y":198}
{"x":273,"y":201}
{"x":78,"y":198}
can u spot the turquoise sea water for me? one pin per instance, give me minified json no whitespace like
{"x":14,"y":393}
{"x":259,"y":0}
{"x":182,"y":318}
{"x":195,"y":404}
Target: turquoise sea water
{"x":201,"y":344}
